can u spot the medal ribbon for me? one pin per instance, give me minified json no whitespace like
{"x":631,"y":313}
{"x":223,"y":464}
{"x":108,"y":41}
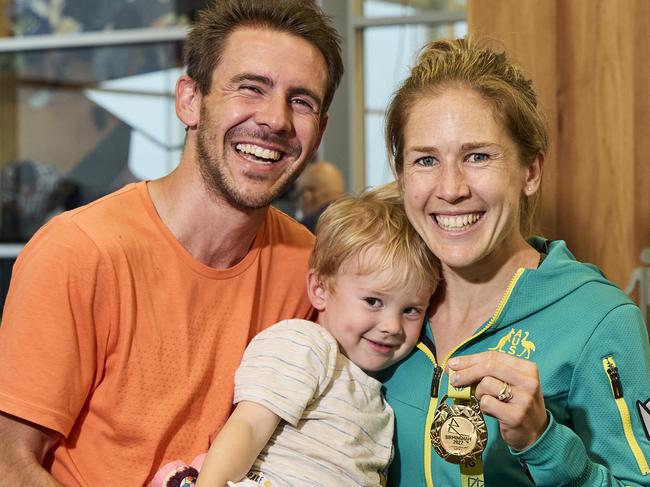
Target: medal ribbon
{"x":471,"y":471}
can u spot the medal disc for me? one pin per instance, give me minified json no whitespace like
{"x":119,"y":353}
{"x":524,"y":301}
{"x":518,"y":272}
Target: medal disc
{"x":458,"y":432}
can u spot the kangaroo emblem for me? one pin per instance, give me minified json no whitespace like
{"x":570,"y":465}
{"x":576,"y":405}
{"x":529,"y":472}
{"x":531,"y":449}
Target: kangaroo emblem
{"x":504,"y":340}
{"x":528,"y":347}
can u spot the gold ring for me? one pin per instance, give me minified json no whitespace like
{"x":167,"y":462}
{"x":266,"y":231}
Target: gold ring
{"x":506,"y":392}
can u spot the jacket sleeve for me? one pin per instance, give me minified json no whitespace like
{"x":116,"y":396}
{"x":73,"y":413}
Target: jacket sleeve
{"x":608,"y":444}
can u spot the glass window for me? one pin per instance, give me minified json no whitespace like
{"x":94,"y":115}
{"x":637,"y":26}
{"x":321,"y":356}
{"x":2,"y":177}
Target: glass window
{"x":80,"y":116}
{"x":85,"y":122}
{"x":86,"y":104}
{"x":388,"y":55}
{"x":394,"y":8}
{"x":60,"y":17}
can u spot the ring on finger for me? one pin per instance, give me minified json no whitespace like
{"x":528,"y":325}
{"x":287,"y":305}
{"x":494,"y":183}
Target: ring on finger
{"x":506,"y":392}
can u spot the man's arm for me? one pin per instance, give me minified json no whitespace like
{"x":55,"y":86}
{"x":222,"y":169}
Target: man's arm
{"x":238,"y":444}
{"x":22,"y":450}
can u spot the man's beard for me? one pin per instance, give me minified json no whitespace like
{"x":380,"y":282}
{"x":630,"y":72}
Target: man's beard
{"x":217,"y":180}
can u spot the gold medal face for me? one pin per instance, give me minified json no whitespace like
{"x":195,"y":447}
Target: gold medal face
{"x":458,"y":435}
{"x":458,"y":432}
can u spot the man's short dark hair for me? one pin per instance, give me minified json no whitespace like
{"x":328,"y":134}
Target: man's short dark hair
{"x":303,"y":18}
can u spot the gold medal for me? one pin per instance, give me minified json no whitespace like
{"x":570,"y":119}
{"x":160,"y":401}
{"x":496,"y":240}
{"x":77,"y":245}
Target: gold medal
{"x":458,"y":432}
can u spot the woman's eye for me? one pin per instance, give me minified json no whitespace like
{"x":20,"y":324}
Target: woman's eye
{"x":426,"y":161}
{"x":478,"y":157}
{"x":373,"y":302}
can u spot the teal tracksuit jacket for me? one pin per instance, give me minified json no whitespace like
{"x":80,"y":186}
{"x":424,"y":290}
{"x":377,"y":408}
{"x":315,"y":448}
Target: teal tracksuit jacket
{"x":590,"y":344}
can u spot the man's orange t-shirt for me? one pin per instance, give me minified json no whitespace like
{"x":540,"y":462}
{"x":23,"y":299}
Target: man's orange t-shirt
{"x":116,"y":337}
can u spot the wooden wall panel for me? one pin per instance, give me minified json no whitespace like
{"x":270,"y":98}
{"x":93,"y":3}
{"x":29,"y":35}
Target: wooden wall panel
{"x":4,"y":22}
{"x":7,"y":103}
{"x":593,"y":80}
{"x":7,"y":99}
{"x":8,"y":117}
{"x":596,"y":132}
{"x":641,"y":128}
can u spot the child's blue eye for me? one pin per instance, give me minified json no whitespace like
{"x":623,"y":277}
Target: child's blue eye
{"x":374,"y":302}
{"x":411,"y":311}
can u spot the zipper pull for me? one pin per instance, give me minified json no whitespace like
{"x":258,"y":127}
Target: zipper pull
{"x":614,"y":378}
{"x":435,"y":383}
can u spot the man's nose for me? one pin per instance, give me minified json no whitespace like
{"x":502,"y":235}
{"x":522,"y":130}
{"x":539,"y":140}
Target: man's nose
{"x":275,"y":113}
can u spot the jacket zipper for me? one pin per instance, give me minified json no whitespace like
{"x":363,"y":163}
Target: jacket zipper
{"x":495,"y":316}
{"x":438,"y":371}
{"x":435,"y":383}
{"x":433,"y":400}
{"x":609,"y":365}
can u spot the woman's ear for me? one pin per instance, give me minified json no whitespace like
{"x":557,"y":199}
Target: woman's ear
{"x":187,"y":101}
{"x":316,"y":290}
{"x":534,"y":175}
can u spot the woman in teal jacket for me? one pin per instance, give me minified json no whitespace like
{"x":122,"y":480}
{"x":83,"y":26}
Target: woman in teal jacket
{"x":533,"y":368}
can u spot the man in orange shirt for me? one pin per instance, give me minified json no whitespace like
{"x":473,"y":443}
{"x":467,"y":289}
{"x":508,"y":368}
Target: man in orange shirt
{"x":126,"y":318}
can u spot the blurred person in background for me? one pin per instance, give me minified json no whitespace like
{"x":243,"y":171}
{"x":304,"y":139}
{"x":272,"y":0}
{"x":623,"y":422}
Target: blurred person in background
{"x":320,"y":184}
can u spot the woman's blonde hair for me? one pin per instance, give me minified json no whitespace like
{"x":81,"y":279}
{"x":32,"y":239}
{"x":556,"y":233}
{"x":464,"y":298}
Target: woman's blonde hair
{"x":376,"y":219}
{"x":466,"y":63}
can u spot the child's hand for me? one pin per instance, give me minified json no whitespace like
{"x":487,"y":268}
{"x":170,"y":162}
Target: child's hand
{"x":178,"y":474}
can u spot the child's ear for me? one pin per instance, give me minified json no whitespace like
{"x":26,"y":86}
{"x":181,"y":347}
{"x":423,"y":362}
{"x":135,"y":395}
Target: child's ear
{"x":316,"y":290}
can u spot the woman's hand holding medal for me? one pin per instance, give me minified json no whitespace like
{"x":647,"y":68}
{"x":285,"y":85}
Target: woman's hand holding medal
{"x":508,"y":389}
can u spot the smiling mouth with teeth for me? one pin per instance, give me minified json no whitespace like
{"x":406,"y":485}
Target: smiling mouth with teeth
{"x":258,"y":154}
{"x":457,"y":223}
